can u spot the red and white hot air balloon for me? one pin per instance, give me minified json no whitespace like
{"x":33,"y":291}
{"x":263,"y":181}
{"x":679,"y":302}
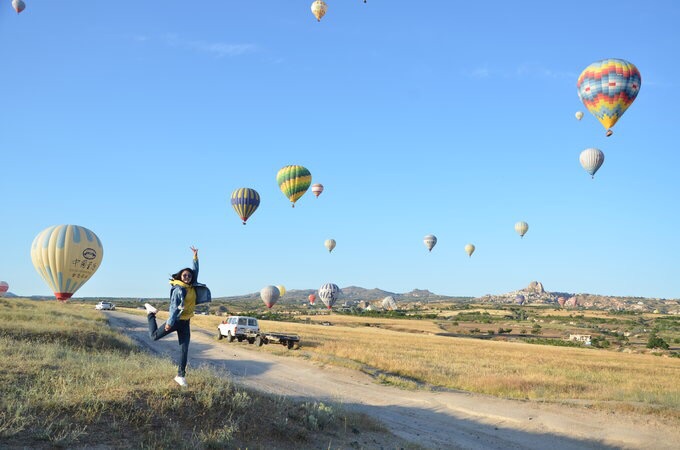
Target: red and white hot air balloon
{"x":4,"y":287}
{"x":317,"y":189}
{"x":18,"y":5}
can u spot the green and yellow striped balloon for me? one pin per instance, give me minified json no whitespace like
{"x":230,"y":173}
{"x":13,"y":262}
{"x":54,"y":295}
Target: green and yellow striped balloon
{"x":294,"y":182}
{"x":245,"y":201}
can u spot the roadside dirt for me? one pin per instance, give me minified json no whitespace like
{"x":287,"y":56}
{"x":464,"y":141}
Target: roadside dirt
{"x":432,"y":419}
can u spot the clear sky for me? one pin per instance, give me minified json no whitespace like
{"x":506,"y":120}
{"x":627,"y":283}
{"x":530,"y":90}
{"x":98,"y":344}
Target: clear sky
{"x":138,"y":119}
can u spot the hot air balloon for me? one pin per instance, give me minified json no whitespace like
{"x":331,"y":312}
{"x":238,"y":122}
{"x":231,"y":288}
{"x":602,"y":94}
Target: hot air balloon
{"x":591,"y":160}
{"x":317,"y":189}
{"x":579,"y":115}
{"x":329,"y":293}
{"x":469,"y":249}
{"x":430,"y":241}
{"x":4,"y":287}
{"x":293,"y":182}
{"x":521,"y":228}
{"x":607,"y":88}
{"x":329,"y":244}
{"x":66,"y":256}
{"x":561,"y":301}
{"x":245,"y":201}
{"x":389,"y":303}
{"x":312,"y":298}
{"x":18,"y":5}
{"x":269,"y":295}
{"x":282,"y":290}
{"x":519,"y":299}
{"x":319,"y":8}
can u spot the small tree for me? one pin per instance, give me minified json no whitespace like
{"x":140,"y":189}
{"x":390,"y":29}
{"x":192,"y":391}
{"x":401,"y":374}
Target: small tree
{"x":656,"y":342}
{"x":536,"y":329}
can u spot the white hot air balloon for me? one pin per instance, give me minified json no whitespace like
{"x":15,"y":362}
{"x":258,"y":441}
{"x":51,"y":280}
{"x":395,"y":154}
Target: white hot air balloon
{"x":591,"y":160}
{"x":469,"y":249}
{"x":4,"y":287}
{"x":579,"y":115}
{"x":18,"y":5}
{"x":329,"y":293}
{"x":270,"y":295}
{"x":430,"y":241}
{"x":521,"y":228}
{"x":319,"y":8}
{"x":66,"y":256}
{"x":329,"y":244}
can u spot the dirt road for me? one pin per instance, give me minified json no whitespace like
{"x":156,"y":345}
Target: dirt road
{"x":436,"y":420}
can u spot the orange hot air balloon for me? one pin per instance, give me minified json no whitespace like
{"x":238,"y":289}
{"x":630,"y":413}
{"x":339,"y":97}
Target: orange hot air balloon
{"x":312,"y":298}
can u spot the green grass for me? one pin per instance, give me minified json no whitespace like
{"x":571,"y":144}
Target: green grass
{"x":70,"y":381}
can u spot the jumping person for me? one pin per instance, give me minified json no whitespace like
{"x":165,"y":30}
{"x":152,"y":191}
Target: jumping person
{"x":185,"y":294}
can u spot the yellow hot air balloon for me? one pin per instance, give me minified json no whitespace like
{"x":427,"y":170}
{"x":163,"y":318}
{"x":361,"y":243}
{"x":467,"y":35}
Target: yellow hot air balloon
{"x":579,"y":115}
{"x":319,"y":8}
{"x":66,"y":256}
{"x":282,"y":290}
{"x":469,"y":249}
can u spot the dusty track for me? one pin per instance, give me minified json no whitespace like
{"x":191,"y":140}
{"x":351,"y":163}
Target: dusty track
{"x":437,"y":420}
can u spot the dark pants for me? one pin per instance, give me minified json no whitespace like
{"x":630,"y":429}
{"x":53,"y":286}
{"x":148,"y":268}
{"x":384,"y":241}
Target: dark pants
{"x":183,"y":336}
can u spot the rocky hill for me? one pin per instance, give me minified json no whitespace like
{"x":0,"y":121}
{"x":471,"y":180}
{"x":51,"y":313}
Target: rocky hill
{"x":535,"y":294}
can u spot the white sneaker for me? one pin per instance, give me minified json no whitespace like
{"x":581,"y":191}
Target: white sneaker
{"x":150,"y":309}
{"x":181,"y":381}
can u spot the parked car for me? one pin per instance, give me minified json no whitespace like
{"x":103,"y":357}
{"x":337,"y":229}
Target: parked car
{"x":105,"y":305}
{"x":238,"y":327}
{"x":243,"y":328}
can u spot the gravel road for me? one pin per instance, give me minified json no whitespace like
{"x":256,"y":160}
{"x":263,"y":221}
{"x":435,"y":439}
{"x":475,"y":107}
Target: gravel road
{"x":436,"y":420}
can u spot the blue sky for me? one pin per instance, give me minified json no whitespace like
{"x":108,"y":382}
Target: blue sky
{"x":138,"y":120}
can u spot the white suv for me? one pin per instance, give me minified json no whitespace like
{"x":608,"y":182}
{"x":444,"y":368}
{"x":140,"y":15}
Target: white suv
{"x":238,"y":327}
{"x":105,"y":305}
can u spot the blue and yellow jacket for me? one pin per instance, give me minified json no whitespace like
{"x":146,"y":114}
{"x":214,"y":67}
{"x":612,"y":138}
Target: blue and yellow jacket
{"x":178,"y":293}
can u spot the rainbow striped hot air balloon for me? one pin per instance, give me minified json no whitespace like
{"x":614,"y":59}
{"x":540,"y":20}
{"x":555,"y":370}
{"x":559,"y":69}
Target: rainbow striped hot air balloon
{"x":245,"y":201}
{"x":607,"y":88}
{"x":293,"y":182}
{"x":66,"y":256}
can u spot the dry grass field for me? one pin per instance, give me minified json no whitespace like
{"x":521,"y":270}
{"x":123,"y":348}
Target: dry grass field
{"x":69,"y":381}
{"x":409,"y":353}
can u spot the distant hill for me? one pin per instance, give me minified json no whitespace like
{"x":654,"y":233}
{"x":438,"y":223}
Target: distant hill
{"x":353,"y":294}
{"x":535,"y":294}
